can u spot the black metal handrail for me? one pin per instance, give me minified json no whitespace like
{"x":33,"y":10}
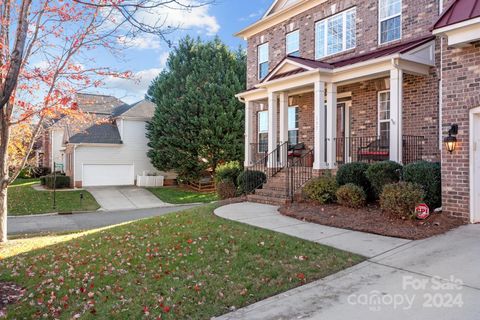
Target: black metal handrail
{"x":270,"y":165}
{"x":299,"y":171}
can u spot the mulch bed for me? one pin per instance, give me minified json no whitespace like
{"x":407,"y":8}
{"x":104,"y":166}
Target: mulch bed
{"x":9,"y":293}
{"x":371,"y":219}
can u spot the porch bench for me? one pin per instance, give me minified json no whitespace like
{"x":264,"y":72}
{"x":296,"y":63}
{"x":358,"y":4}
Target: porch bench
{"x":377,"y":150}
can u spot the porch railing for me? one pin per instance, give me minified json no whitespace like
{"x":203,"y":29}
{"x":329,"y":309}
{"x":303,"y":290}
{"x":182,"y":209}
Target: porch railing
{"x":270,"y":164}
{"x":374,"y":149}
{"x":258,"y":151}
{"x":299,"y":171}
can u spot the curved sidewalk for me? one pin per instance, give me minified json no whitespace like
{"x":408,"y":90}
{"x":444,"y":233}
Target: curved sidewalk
{"x":396,"y":282}
{"x":268,"y":217}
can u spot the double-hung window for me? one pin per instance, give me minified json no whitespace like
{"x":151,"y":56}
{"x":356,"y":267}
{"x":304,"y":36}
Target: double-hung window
{"x":262,"y":60}
{"x":262,"y":131}
{"x":335,"y":34}
{"x":384,"y":115}
{"x":292,"y":126}
{"x":292,"y":40}
{"x":390,"y":20}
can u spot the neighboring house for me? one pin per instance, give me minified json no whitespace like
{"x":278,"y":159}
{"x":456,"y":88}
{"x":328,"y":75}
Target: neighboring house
{"x":348,"y":81}
{"x":459,"y":32}
{"x":112,"y":149}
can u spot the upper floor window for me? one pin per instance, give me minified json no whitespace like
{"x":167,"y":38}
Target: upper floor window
{"x":262,"y":60}
{"x":390,"y":20}
{"x":293,"y":43}
{"x":335,"y":34}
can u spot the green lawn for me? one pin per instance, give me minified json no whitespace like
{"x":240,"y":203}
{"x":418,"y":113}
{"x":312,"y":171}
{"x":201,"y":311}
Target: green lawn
{"x":176,"y":195}
{"x":24,"y":200}
{"x":190,"y":265}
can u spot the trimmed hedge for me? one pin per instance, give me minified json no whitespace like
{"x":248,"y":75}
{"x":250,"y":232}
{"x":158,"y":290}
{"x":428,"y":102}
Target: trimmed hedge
{"x":352,"y":196}
{"x":322,"y":189}
{"x":248,"y":180}
{"x":228,"y":172}
{"x":355,"y":173}
{"x":429,"y":176}
{"x":382,"y":173}
{"x":401,"y":198}
{"x":60,"y":181}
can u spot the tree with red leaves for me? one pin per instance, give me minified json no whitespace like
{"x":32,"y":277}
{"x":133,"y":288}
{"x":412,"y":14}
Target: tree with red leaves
{"x":47,"y":54}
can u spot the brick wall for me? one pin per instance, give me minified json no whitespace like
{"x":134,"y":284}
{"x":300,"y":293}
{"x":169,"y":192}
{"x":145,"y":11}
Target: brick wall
{"x":461,"y":92}
{"x":417,"y":18}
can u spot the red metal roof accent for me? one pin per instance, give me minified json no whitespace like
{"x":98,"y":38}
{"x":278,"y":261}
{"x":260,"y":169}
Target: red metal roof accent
{"x":399,"y":48}
{"x":314,"y":64}
{"x":287,"y":74}
{"x":458,"y":11}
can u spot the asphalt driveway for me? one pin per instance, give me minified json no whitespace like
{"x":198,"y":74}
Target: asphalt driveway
{"x":84,"y":221}
{"x":125,"y":198}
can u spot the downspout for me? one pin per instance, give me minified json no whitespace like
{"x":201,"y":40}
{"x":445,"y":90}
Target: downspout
{"x":440,"y":99}
{"x":74,"y":166}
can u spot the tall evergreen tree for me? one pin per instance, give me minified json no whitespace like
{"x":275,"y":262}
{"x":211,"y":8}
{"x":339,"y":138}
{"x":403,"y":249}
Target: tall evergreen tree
{"x":198,"y":122}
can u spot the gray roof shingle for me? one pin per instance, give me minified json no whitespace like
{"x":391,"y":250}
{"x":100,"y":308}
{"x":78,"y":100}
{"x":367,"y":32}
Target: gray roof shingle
{"x":98,"y":133}
{"x":97,"y":104}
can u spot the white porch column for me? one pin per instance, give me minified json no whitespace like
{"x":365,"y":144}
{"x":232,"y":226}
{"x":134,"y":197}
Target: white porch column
{"x":272,"y":125}
{"x":331,"y":125}
{"x":248,"y":132}
{"x":396,"y":99}
{"x":319,"y":123}
{"x":283,"y":124}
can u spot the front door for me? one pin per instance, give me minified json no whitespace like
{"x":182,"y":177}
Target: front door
{"x":475,"y":170}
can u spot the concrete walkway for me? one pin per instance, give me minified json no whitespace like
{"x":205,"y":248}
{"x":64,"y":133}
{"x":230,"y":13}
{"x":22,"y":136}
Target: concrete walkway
{"x":83,"y":221}
{"x":435,"y":278}
{"x":125,"y":198}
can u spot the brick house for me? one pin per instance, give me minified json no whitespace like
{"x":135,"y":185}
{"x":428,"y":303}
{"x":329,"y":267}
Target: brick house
{"x":344,"y":81}
{"x":459,"y":32}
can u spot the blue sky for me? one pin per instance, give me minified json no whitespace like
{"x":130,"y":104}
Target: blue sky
{"x":147,"y":56}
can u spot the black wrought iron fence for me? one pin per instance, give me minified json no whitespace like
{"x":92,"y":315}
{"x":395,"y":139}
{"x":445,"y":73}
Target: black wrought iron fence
{"x":299,"y":171}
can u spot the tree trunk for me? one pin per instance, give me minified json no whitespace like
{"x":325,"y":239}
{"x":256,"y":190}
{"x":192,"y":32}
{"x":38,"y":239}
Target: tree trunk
{"x":3,"y":214}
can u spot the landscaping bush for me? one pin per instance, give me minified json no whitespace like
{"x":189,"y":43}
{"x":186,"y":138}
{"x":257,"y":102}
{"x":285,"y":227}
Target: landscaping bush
{"x":382,"y":173}
{"x":355,"y":173}
{"x":248,"y":180}
{"x":351,"y":195}
{"x":226,"y":189}
{"x":429,"y":176}
{"x":228,"y":172}
{"x":401,"y":198}
{"x":322,"y":189}
{"x":61,"y":181}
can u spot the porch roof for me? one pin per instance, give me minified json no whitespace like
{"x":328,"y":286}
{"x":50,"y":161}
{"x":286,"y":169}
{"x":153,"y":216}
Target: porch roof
{"x":458,"y":11}
{"x":309,"y":64}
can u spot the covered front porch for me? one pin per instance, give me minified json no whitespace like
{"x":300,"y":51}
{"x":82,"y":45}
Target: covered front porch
{"x":329,"y":114}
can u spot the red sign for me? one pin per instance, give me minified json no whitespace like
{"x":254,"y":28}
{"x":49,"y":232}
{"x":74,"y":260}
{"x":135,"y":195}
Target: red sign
{"x":422,"y":211}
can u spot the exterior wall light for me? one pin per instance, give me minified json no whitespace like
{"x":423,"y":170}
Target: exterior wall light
{"x":451,"y":140}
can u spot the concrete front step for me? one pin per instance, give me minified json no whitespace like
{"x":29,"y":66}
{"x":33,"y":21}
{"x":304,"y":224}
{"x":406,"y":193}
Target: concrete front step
{"x":266,"y":192}
{"x":268,"y":200}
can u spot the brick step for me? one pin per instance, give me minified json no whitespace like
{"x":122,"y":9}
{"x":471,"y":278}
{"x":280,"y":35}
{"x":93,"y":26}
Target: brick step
{"x":267,"y":200}
{"x":300,"y":170}
{"x":271,"y":193}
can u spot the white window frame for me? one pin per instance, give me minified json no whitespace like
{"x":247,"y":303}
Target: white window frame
{"x":260,"y":62}
{"x":344,"y":36}
{"x":297,"y":120}
{"x":298,"y":43}
{"x":263,"y":131}
{"x":379,"y":121}
{"x":380,"y":20}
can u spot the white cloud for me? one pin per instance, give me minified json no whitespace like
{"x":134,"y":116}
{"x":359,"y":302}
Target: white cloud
{"x":132,"y":90}
{"x":197,"y":19}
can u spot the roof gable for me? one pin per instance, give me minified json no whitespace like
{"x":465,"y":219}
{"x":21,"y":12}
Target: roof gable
{"x":278,"y":5}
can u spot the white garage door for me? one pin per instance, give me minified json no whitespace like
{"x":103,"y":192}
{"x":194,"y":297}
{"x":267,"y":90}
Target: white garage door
{"x":108,"y":175}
